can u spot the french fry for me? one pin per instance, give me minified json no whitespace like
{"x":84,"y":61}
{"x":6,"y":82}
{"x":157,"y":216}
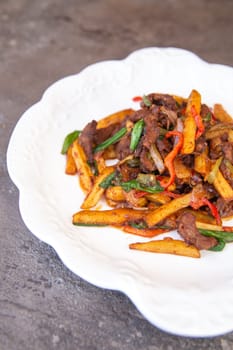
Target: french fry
{"x":167,"y":246}
{"x":161,"y":213}
{"x":70,"y":168}
{"x":223,"y":187}
{"x":181,"y":170}
{"x":114,"y":118}
{"x":96,"y":192}
{"x":206,"y":226}
{"x":179,"y":99}
{"x":202,"y":163}
{"x":161,"y":197}
{"x":84,"y":171}
{"x":218,"y":130}
{"x":135,"y":201}
{"x":100,"y":163}
{"x":189,"y":133}
{"x":107,"y":217}
{"x":221,"y":114}
{"x":115,"y":193}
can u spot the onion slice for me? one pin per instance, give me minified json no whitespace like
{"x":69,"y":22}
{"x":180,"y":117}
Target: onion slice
{"x":156,"y":156}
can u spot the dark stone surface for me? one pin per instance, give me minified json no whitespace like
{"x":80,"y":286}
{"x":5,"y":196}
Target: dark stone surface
{"x":42,"y":304}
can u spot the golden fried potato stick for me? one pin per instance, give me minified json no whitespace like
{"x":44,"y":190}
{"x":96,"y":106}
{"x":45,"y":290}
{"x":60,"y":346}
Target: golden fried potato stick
{"x":114,"y":118}
{"x":154,"y":216}
{"x":84,"y":171}
{"x":96,"y":192}
{"x":221,"y":114}
{"x":223,"y":187}
{"x":70,"y":168}
{"x":115,"y":193}
{"x":167,"y":246}
{"x":189,"y":133}
{"x":107,"y":217}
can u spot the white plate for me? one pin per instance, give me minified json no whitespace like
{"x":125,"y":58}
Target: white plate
{"x":185,"y":296}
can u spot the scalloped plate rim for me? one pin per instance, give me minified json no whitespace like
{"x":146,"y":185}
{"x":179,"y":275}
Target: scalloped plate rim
{"x":58,"y":249}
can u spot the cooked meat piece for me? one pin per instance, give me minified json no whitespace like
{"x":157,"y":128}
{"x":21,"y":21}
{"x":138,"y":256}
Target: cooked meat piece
{"x":227,"y":149}
{"x":215,"y":150}
{"x":187,"y":160}
{"x":87,"y":139}
{"x":146,"y":163}
{"x":195,"y":178}
{"x":169,"y":115}
{"x":122,"y":147}
{"x":206,"y":111}
{"x":128,"y":173}
{"x":104,"y":133}
{"x":139,"y":148}
{"x":226,"y":173}
{"x":182,"y":186}
{"x":162,"y":100}
{"x":225,"y":209}
{"x":187,"y":229}
{"x":151,"y":131}
{"x":164,"y":146}
{"x":200,"y":144}
{"x":139,"y":114}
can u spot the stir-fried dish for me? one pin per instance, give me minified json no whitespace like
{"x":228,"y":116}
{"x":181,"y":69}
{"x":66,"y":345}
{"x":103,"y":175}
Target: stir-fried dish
{"x":165,"y":166}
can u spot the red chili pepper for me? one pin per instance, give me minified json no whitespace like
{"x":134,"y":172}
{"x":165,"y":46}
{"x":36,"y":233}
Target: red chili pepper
{"x":169,"y":159}
{"x":137,"y":99}
{"x":214,"y":210}
{"x":139,"y":194}
{"x":212,"y":207}
{"x":199,"y":122}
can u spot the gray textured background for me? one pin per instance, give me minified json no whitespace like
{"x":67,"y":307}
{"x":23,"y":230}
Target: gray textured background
{"x":42,"y":304}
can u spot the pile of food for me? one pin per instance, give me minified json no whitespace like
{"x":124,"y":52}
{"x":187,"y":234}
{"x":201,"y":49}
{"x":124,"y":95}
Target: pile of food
{"x":166,"y":166}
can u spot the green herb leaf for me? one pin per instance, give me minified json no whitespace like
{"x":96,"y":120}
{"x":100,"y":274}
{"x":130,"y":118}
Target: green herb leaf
{"x":139,"y":225}
{"x":146,"y":101}
{"x":219,"y":235}
{"x":111,"y":140}
{"x":220,"y":246}
{"x":136,"y":134}
{"x":69,"y":139}
{"x":134,"y":184}
{"x":108,"y":180}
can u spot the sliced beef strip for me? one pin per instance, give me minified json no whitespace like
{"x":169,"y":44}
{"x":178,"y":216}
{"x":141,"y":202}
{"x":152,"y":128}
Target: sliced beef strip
{"x":104,"y":133}
{"x":205,"y":111}
{"x":146,"y":163}
{"x":187,"y":160}
{"x":128,"y":173}
{"x":227,"y":149}
{"x":225,"y":208}
{"x":87,"y":139}
{"x":162,"y":100}
{"x":200,"y":144}
{"x":139,"y":114}
{"x":186,"y":223}
{"x":164,"y":146}
{"x":151,"y":130}
{"x":226,"y":173}
{"x":215,"y":150}
{"x":122,"y":147}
